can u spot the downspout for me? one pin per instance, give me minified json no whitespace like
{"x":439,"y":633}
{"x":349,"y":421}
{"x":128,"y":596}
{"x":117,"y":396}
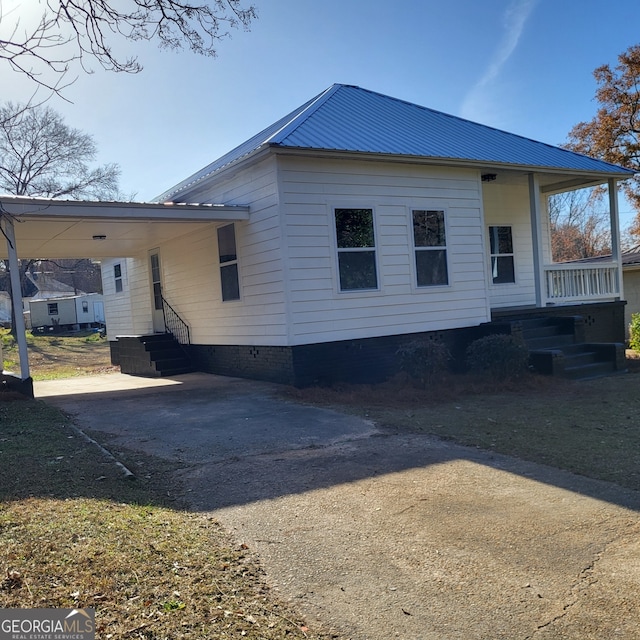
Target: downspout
{"x":536,"y":238}
{"x":16,"y":295}
{"x":614,"y":219}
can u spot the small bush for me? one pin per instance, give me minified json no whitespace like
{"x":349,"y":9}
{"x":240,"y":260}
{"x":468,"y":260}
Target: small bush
{"x":500,"y":355}
{"x":423,"y":360}
{"x":634,"y":332}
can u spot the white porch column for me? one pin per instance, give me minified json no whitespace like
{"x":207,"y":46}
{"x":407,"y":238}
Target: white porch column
{"x":16,"y":295}
{"x":614,"y":219}
{"x":536,"y":238}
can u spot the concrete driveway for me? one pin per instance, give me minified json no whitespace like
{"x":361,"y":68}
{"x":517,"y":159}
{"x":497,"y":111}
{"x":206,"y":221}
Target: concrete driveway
{"x":382,"y":535}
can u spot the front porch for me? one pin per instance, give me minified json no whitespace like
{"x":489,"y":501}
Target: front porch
{"x":600,"y":321}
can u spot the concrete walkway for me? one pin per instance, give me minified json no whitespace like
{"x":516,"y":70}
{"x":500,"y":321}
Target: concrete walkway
{"x":376,"y":534}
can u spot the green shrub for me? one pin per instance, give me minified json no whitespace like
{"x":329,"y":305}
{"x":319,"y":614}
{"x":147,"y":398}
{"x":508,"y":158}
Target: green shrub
{"x":500,"y":355}
{"x":634,"y":332}
{"x":423,"y":360}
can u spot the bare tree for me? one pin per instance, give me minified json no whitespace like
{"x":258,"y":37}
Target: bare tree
{"x":579,"y":227}
{"x":41,"y":156}
{"x":73,"y":32}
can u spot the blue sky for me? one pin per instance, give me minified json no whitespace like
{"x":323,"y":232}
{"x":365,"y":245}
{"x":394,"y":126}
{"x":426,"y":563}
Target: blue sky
{"x":524,"y":66}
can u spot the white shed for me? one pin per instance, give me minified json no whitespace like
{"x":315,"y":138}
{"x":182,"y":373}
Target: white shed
{"x":73,"y":312}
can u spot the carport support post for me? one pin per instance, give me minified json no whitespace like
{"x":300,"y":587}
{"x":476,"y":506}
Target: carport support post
{"x":16,"y":296}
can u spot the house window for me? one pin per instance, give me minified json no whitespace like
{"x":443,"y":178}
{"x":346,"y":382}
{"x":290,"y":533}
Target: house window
{"x":502,"y":262}
{"x":356,"y":249}
{"x":117,"y":275}
{"x":430,"y":243}
{"x":52,"y":308}
{"x":228,"y":263}
{"x":85,"y":306}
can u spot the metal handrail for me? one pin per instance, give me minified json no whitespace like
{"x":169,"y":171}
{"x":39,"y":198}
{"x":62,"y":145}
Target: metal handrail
{"x":174,"y":324}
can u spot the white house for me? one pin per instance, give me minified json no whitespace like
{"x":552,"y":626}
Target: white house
{"x":356,"y":222}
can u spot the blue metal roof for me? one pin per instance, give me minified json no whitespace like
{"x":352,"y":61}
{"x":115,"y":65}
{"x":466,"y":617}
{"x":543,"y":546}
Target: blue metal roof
{"x":351,"y":119}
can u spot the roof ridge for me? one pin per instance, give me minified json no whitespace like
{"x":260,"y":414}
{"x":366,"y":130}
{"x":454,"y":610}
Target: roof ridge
{"x":473,"y":123}
{"x":311,"y":107}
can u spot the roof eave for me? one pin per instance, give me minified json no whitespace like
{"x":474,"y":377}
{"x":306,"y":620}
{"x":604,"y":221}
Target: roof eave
{"x":47,"y":208}
{"x":173,"y":195}
{"x":598,"y":176}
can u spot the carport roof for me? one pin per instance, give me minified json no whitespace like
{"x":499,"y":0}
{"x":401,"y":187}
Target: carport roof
{"x":46,"y":228}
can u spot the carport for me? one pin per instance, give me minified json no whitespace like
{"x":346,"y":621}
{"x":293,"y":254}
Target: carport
{"x":40,"y":228}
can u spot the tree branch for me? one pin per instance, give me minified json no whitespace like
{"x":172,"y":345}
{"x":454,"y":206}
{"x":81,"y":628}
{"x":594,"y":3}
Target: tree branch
{"x":47,"y":51}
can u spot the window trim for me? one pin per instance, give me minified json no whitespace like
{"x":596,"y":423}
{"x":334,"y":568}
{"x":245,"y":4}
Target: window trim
{"x":336,"y":206}
{"x":414,"y":249}
{"x":492,"y":255}
{"x":229,"y":263}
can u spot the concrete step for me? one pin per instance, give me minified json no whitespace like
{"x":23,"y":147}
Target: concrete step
{"x":166,"y":352}
{"x":543,"y":331}
{"x":550,"y":342}
{"x":580,"y":359}
{"x":176,"y":371}
{"x":586,"y":371}
{"x":154,"y":355}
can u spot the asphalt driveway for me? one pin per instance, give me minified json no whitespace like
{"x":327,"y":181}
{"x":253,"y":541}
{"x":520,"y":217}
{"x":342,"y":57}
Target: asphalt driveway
{"x":378,"y":534}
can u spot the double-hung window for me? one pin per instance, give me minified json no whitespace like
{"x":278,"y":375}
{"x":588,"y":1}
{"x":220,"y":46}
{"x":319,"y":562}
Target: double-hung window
{"x":117,"y":277}
{"x":430,"y":244}
{"x":502,"y":262}
{"x":356,"y":244}
{"x":228,"y":263}
{"x":52,"y":308}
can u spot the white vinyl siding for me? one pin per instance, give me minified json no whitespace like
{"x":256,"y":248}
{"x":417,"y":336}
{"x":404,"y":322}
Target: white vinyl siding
{"x":508,"y":205}
{"x":127,"y":312}
{"x":312,"y":189}
{"x":191,"y":267}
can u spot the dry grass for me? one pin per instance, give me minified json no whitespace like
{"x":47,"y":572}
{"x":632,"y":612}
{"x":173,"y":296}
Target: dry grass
{"x":589,"y":427}
{"x":75,"y":533}
{"x":60,"y":356}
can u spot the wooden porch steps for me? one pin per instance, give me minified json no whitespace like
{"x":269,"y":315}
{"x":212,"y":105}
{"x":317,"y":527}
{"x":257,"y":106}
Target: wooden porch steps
{"x":154,"y":355}
{"x":555,"y":348}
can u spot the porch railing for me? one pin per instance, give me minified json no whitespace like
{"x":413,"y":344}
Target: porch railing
{"x":568,"y":282}
{"x":174,"y":324}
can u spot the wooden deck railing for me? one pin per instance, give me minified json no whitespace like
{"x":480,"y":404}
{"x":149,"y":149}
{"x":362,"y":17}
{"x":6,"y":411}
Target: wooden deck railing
{"x":573,"y":282}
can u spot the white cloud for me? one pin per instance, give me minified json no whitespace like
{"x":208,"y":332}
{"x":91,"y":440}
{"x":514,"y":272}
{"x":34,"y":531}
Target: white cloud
{"x":515,"y":17}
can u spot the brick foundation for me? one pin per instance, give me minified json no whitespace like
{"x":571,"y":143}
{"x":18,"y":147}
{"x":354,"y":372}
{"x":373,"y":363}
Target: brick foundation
{"x":372,"y":360}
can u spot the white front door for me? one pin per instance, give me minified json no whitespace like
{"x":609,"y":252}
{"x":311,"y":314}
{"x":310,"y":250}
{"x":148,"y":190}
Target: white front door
{"x":156,"y":291}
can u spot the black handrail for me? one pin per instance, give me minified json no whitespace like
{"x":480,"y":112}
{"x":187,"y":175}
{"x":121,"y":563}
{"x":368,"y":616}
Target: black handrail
{"x":174,"y":324}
